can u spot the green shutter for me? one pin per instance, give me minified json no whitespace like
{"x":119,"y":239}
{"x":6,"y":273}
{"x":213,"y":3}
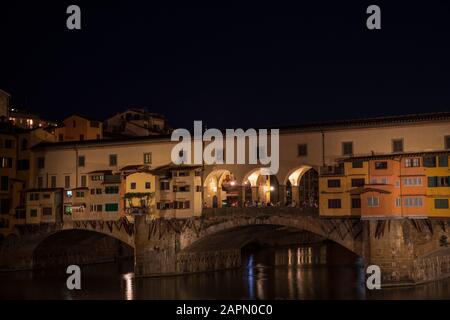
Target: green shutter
{"x":443,"y":161}
{"x":111,"y":207}
{"x":432,"y":182}
{"x":441,"y":203}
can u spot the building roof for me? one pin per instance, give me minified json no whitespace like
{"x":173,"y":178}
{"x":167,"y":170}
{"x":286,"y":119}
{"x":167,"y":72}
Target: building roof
{"x":135,"y":167}
{"x":313,"y":127}
{"x":101,"y":171}
{"x":161,"y":170}
{"x":369,"y":122}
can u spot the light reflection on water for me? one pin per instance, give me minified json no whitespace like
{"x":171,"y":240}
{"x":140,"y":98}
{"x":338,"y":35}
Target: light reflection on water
{"x":298,"y":272}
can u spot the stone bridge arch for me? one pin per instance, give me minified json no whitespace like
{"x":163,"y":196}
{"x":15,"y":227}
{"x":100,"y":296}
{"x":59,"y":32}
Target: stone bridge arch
{"x":345,"y":232}
{"x":17,"y":249}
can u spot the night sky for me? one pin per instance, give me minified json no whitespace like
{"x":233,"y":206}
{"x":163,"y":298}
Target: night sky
{"x":227,"y":64}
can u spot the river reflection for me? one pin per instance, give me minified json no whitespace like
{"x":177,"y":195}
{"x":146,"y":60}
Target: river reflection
{"x":324,"y":271}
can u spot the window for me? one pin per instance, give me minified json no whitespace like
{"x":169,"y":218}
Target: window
{"x":83,"y":181}
{"x":148,"y":158}
{"x":69,"y":193}
{"x":23,"y":164}
{"x":5,"y":162}
{"x":429,"y":161}
{"x":413,"y":181}
{"x":81,"y":137}
{"x":8,"y":144}
{"x":60,"y":137}
{"x":98,"y":191}
{"x":34,"y":196}
{"x":74,"y":123}
{"x":24,"y":145}
{"x":356,"y":203}
{"x":334,"y":203}
{"x":181,"y":205}
{"x":334,"y":183}
{"x":40,"y":182}
{"x":438,"y":182}
{"x":147,"y":185}
{"x":112,"y":189}
{"x":183,"y":173}
{"x":47,"y":211}
{"x":80,"y":194}
{"x":447,"y":142}
{"x":111,"y":207}
{"x":441,"y":203}
{"x":357,"y":164}
{"x":113,"y":159}
{"x":443,"y":161}
{"x":41,"y":162}
{"x":99,"y":208}
{"x":358,"y":182}
{"x":81,"y":161}
{"x":33,"y":213}
{"x":164,"y":185}
{"x":133,"y":185}
{"x":397,"y":145}
{"x":4,"y":183}
{"x":46,"y":196}
{"x":412,"y":162}
{"x":53,"y":181}
{"x":418,"y":202}
{"x":373,"y":202}
{"x":398,"y":202}
{"x":97,"y":178}
{"x":5,"y":205}
{"x":373,"y":181}
{"x":183,"y":188}
{"x":67,"y":182}
{"x":379,"y":165}
{"x":302,"y":150}
{"x":347,"y":148}
{"x":408,"y":202}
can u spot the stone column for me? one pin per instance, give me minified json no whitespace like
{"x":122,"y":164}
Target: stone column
{"x":241,"y":195}
{"x":282,"y":194}
{"x":296,"y":195}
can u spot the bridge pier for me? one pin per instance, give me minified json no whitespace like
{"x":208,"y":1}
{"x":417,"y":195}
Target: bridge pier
{"x":409,"y":251}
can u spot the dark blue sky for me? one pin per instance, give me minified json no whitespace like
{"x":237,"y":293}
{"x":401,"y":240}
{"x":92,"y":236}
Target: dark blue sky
{"x":227,"y":64}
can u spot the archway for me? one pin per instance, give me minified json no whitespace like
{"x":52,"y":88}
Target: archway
{"x":302,"y":187}
{"x":221,"y":189}
{"x":264,"y":189}
{"x":78,"y":247}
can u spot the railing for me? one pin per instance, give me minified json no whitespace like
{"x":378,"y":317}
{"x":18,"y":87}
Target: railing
{"x":308,"y":211}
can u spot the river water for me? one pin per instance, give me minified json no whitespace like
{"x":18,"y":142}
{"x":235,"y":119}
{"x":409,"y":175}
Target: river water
{"x":324,"y":271}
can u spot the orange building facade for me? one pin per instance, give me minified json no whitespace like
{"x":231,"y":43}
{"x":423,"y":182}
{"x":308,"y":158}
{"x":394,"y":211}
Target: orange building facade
{"x":388,"y":186}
